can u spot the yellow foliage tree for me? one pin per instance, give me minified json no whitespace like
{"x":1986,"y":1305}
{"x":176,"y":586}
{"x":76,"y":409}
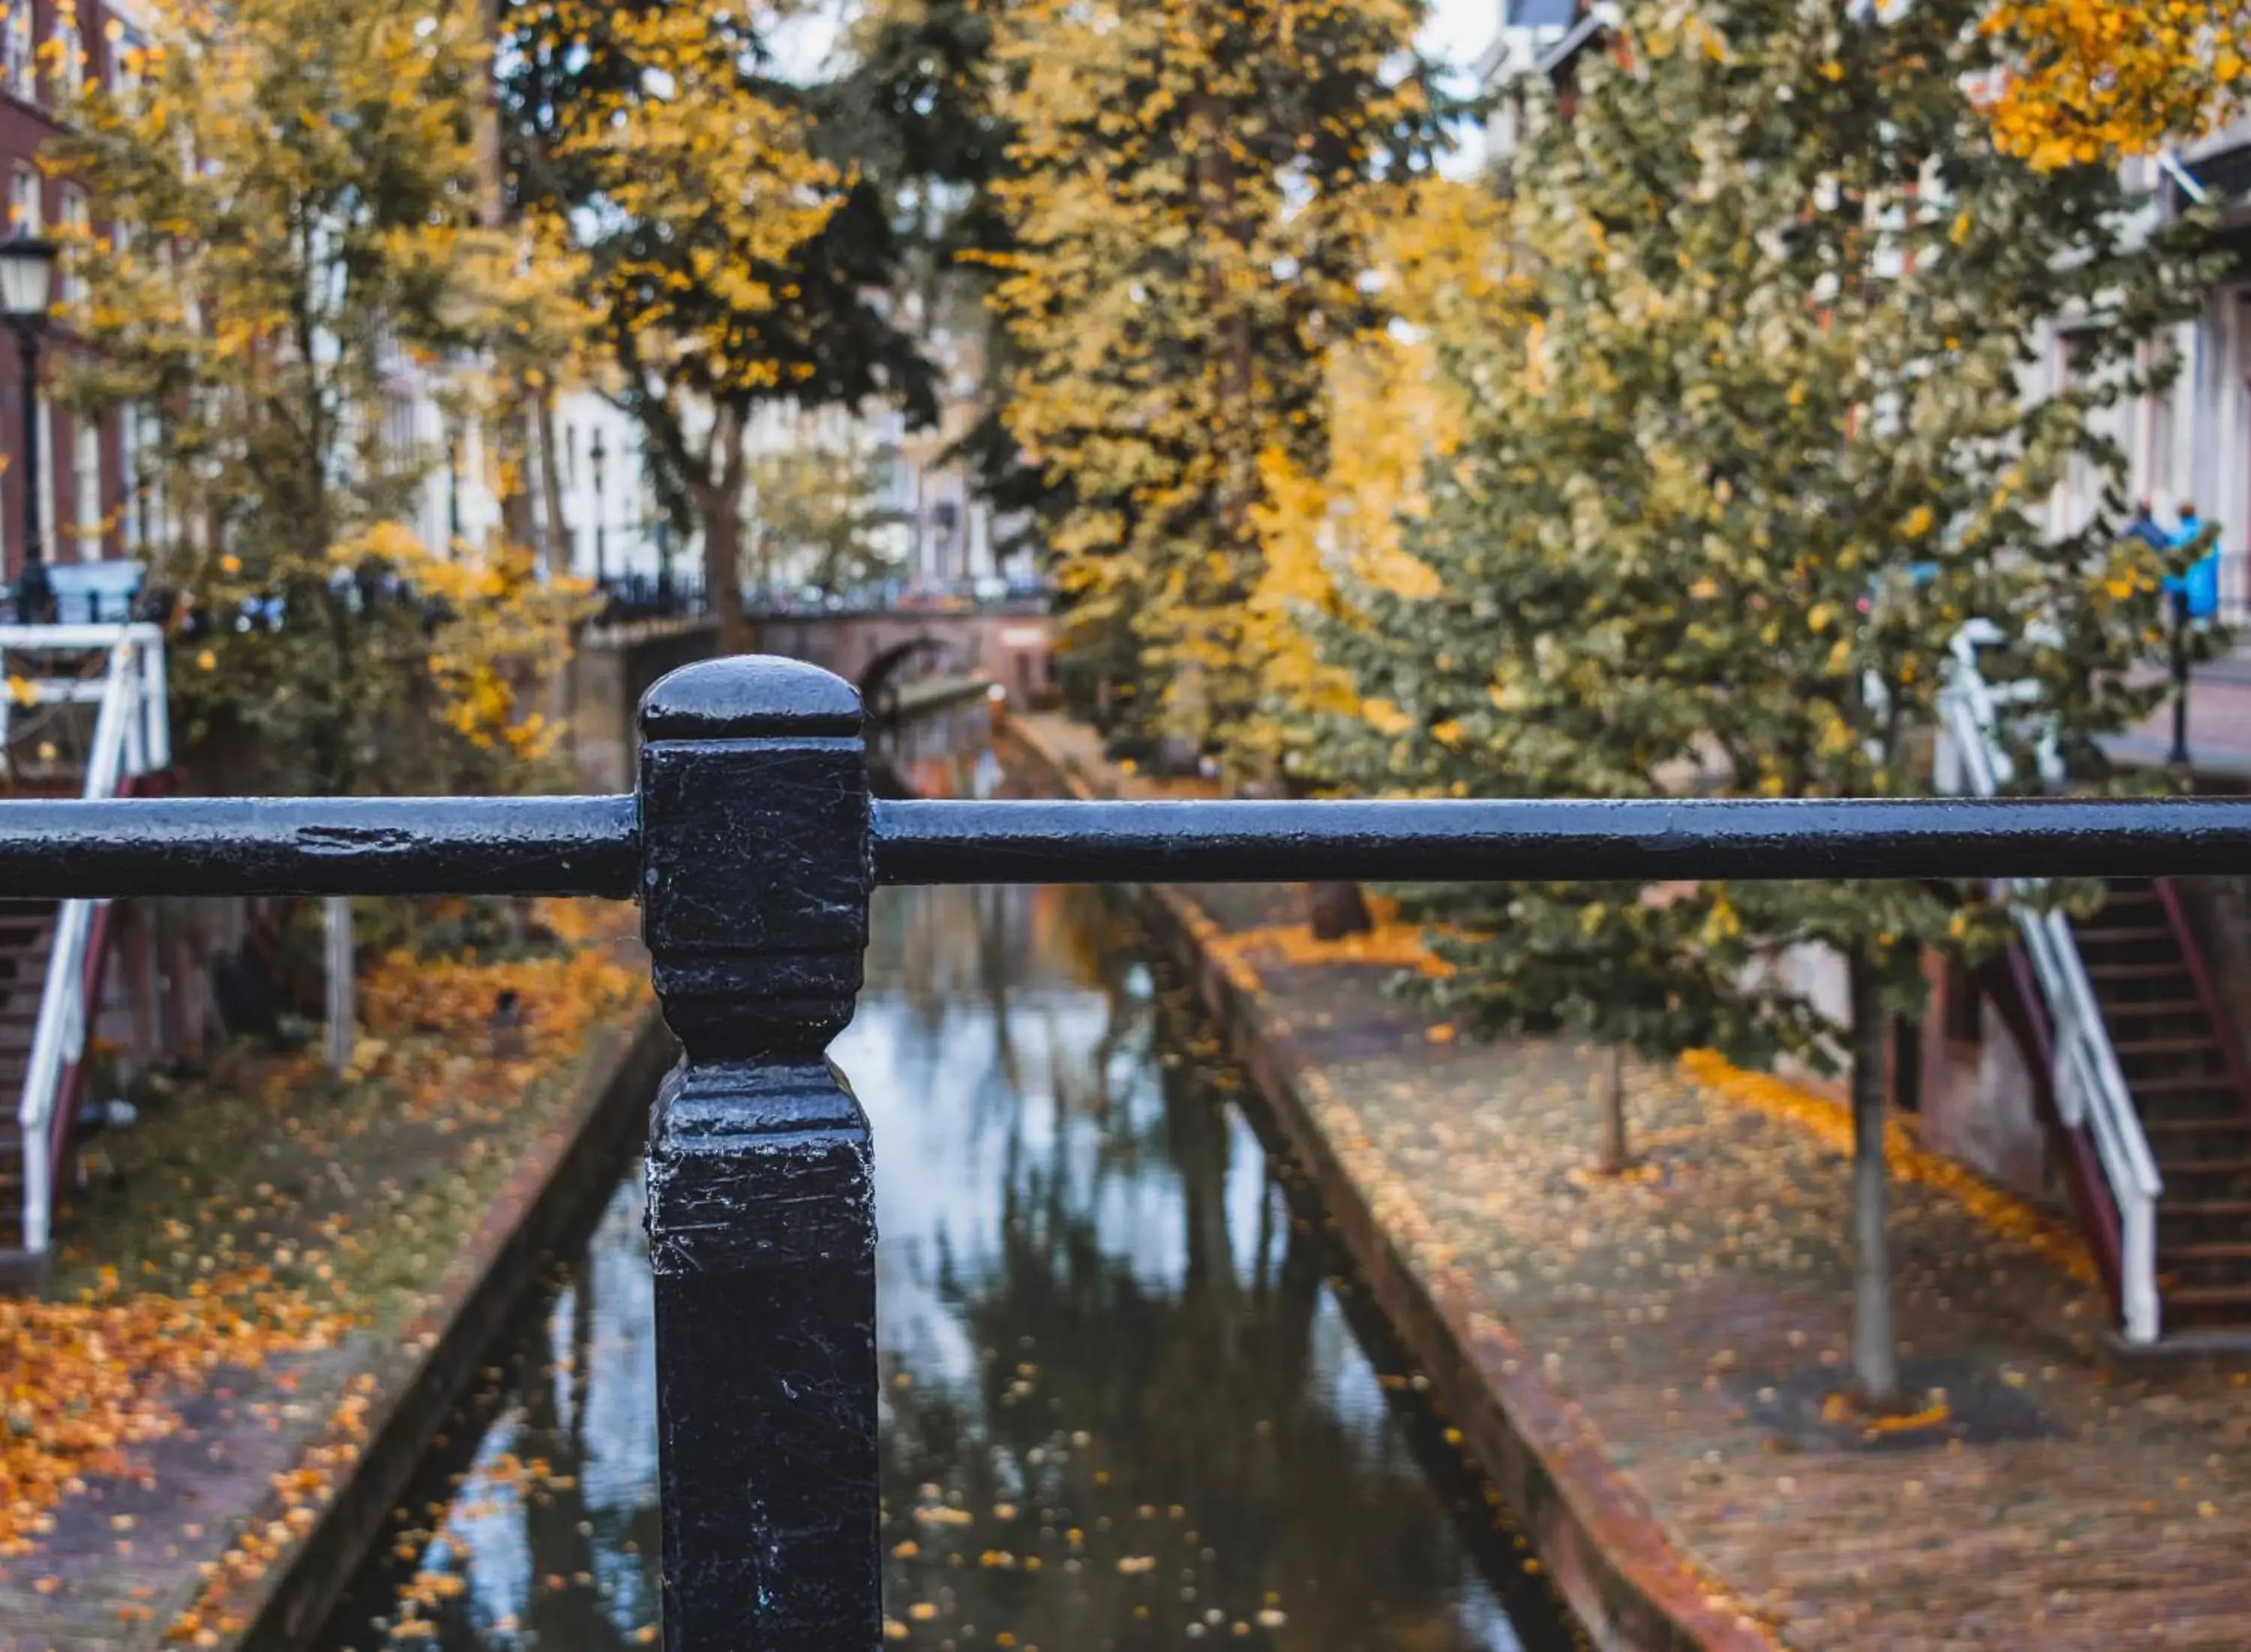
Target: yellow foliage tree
{"x":1394,"y":400}
{"x":693,"y":191}
{"x":1194,"y":187}
{"x":289,"y":227}
{"x":2092,"y":78}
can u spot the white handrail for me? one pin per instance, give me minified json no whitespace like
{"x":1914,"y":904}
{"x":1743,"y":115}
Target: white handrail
{"x":2090,"y":1089}
{"x":131,"y":736}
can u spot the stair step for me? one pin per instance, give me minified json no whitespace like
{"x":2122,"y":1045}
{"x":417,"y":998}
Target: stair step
{"x":2118,"y":1009}
{"x":2183,"y":1209}
{"x":2236,"y":1126}
{"x":2182,"y":1084}
{"x":2121,"y":935}
{"x":2209,"y":1296}
{"x":2204,"y":1166}
{"x":2163,"y":1045}
{"x":2208,"y":1251}
{"x":2135,"y":972}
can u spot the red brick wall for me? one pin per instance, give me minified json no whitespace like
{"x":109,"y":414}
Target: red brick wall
{"x":26,"y":129}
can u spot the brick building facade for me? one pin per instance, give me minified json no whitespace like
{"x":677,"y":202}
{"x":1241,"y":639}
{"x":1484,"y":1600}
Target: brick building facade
{"x":46,"y":48}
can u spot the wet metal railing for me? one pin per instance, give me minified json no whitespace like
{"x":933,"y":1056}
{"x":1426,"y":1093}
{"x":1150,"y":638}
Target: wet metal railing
{"x":132,"y":736}
{"x":2090,"y":1090}
{"x":752,"y":845}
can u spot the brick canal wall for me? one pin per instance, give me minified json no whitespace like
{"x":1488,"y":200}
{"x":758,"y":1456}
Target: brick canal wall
{"x":1649,"y":1366}
{"x":1608,"y":1554}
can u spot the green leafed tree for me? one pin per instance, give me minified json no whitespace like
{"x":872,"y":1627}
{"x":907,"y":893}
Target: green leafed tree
{"x":1192,"y":191}
{"x":1780,"y":419}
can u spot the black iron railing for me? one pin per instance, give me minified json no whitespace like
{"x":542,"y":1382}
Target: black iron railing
{"x":752,"y":845}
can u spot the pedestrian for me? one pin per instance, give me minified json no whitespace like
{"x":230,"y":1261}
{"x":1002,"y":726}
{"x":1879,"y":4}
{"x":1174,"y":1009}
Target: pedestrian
{"x":2197,"y":590}
{"x":2143,"y":526}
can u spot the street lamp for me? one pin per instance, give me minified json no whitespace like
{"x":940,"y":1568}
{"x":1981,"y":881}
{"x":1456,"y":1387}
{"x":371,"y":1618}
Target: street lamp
{"x":27,"y":280}
{"x":595,"y":455}
{"x":452,"y":487}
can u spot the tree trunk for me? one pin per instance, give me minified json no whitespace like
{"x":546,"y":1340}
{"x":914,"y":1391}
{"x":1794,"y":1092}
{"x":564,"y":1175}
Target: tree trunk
{"x":1337,"y":909}
{"x":554,"y":536}
{"x":719,"y":502}
{"x":1613,"y":1157}
{"x":1876,"y":1359}
{"x":492,"y":184}
{"x":343,"y":1016}
{"x":491,"y":168}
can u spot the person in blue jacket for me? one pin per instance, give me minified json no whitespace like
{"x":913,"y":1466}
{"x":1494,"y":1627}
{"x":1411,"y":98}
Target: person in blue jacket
{"x":2198,"y":590}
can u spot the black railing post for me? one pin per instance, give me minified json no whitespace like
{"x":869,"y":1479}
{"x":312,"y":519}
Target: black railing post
{"x":755,"y":877}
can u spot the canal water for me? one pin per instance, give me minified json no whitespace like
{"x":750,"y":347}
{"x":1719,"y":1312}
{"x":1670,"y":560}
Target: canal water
{"x":1129,"y":1399}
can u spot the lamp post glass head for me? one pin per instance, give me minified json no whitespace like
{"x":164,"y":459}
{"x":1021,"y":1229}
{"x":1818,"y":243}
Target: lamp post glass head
{"x":27,"y":278}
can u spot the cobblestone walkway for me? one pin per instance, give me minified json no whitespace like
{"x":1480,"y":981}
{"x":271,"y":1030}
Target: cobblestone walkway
{"x":1695,"y":1316}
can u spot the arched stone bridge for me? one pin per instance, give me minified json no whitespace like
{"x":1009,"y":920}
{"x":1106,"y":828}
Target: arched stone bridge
{"x":1013,"y":646}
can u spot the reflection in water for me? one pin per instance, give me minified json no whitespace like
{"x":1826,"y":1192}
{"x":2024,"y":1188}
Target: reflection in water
{"x":536,"y":1522}
{"x":1123,"y":1404}
{"x":1110,"y":1349}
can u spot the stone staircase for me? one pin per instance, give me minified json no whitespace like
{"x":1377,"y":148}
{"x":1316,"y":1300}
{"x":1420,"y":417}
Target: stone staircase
{"x":2185,"y":1070}
{"x":26,"y":939}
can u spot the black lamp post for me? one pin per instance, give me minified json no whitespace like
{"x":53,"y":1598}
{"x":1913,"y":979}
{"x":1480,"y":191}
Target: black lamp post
{"x":453,"y":488}
{"x":595,"y":455}
{"x":27,"y":280}
{"x":2179,"y":757}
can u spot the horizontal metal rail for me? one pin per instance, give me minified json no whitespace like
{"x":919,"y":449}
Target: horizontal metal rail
{"x":1469,"y":841}
{"x":590,"y":845}
{"x":67,"y":850}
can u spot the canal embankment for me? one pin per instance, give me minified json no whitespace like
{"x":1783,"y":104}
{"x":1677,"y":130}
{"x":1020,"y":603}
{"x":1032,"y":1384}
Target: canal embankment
{"x":1130,"y":1395}
{"x":258,"y":1324}
{"x":1647,"y":1366}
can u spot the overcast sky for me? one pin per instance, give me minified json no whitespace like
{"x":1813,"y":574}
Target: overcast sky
{"x":1461,"y":30}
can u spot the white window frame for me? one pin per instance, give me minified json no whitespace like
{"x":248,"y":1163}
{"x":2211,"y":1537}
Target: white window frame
{"x":17,"y":63}
{"x":78,"y":221}
{"x":26,"y":200}
{"x":70,"y":51}
{"x":85,"y":470}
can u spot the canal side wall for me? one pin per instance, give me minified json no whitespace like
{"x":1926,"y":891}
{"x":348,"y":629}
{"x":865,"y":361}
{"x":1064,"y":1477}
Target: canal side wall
{"x":552,"y":1196}
{"x":1606,"y":1550}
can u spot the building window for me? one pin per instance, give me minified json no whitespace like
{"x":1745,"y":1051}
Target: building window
{"x":70,"y":53}
{"x":78,"y":227}
{"x":132,"y":522}
{"x":398,"y":432}
{"x":25,"y":216}
{"x":45,"y":421}
{"x":15,"y":52}
{"x":86,"y":458}
{"x":120,"y":63}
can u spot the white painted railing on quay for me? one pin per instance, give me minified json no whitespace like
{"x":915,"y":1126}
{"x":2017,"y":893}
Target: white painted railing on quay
{"x":2090,"y":1089}
{"x":132,"y":736}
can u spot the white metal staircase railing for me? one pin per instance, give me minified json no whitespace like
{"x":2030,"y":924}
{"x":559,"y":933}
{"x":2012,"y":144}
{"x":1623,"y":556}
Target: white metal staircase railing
{"x":132,"y":736}
{"x":2090,"y":1089}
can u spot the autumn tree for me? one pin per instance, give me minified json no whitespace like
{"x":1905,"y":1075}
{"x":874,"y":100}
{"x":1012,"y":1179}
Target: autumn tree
{"x":734,"y":255}
{"x":282,"y":185}
{"x":2086,"y":81}
{"x":1761,"y":444}
{"x":1191,"y":192}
